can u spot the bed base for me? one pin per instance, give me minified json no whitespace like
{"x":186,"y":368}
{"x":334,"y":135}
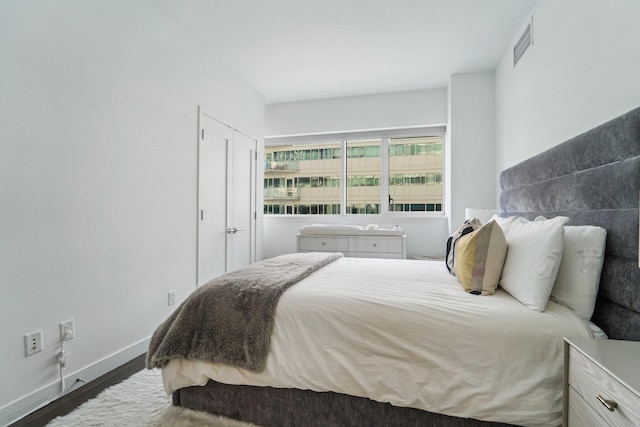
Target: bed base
{"x":268,"y":406}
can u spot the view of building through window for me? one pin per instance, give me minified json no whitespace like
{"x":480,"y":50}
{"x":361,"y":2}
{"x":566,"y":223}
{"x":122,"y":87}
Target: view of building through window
{"x":308,"y":178}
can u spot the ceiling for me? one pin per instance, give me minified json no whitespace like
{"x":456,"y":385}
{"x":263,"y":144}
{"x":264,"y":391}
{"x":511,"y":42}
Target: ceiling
{"x":293,"y":50}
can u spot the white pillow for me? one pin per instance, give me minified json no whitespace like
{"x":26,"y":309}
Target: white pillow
{"x":505,"y":223}
{"x":579,"y":274}
{"x":534,"y":252}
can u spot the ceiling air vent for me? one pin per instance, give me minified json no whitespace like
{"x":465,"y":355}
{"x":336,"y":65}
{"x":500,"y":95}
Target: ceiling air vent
{"x":526,"y":39}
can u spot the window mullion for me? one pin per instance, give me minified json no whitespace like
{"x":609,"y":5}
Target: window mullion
{"x":384,"y":176}
{"x":343,"y":177}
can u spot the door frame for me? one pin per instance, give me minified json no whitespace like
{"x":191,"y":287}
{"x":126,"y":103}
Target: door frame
{"x":199,"y":202}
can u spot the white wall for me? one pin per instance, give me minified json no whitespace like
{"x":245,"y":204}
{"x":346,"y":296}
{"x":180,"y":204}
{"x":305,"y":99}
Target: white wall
{"x":98,"y":174}
{"x":388,"y":110}
{"x":581,"y":71}
{"x":470,"y":148}
{"x":426,"y":236}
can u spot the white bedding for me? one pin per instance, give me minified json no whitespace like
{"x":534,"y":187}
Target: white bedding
{"x":405,"y":332}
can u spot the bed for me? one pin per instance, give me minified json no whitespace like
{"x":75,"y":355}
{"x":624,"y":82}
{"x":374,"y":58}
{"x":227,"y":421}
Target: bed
{"x":393,"y":376}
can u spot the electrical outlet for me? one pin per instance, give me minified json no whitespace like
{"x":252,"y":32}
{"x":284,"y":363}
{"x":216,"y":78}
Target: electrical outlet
{"x":172,"y":297}
{"x":67,"y":330}
{"x":32,"y":343}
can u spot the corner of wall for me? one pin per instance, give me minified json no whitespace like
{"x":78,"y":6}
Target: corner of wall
{"x":472,"y":143}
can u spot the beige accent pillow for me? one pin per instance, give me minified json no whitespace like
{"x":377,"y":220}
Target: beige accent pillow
{"x":479,"y":259}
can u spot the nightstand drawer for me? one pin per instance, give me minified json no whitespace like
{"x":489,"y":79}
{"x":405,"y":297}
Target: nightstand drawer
{"x":581,"y":414}
{"x":376,"y":244}
{"x":590,"y":381}
{"x":322,"y":244}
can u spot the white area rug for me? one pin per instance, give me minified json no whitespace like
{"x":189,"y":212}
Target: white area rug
{"x":139,"y":401}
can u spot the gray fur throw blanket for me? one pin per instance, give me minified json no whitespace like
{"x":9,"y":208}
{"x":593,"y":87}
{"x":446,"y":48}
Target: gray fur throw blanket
{"x":229,"y":320}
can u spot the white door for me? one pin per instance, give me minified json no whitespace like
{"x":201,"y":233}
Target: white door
{"x":226,"y":199}
{"x":241,"y":203}
{"x":215,"y":140}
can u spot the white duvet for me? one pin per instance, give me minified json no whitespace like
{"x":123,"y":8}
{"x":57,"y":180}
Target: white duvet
{"x":405,"y":332}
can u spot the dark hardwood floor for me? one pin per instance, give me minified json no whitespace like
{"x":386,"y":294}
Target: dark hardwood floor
{"x":72,"y":400}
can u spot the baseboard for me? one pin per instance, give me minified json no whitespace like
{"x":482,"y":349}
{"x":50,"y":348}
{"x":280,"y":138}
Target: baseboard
{"x":26,"y":405}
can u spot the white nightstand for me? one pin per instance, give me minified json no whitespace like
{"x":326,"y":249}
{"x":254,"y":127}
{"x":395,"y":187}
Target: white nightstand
{"x":601,"y":383}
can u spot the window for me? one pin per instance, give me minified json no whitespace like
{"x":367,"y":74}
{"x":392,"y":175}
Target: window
{"x":376,"y":175}
{"x":415,"y":174}
{"x":363,"y":177}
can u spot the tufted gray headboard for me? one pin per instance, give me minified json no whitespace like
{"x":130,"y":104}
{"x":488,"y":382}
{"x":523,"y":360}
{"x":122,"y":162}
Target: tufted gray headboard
{"x":594,"y":179}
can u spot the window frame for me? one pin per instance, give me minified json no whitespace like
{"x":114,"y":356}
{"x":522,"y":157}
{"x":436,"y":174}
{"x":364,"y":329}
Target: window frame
{"x":385,"y":136}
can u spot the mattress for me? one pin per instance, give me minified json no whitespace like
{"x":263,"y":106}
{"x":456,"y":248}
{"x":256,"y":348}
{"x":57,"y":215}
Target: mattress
{"x":405,"y":332}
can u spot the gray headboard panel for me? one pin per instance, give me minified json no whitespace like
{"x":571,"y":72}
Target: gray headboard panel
{"x":594,"y":179}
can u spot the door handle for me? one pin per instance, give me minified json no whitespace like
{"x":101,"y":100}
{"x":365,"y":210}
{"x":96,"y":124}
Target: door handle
{"x":231,"y":230}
